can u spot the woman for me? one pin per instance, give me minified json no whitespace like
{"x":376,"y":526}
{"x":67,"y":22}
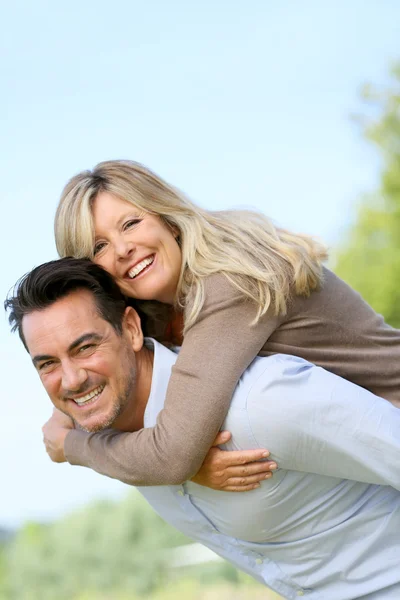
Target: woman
{"x":242,"y":286}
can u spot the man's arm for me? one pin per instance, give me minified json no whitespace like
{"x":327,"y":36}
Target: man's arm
{"x":316,"y":422}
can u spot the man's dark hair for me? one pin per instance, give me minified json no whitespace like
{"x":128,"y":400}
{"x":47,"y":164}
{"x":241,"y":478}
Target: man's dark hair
{"x":54,"y":280}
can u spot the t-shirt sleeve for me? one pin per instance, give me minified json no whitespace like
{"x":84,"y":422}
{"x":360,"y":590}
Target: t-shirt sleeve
{"x":216,"y":351}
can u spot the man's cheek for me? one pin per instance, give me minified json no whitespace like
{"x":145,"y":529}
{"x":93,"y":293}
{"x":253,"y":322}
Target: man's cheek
{"x":51,"y":387}
{"x":101,"y":366}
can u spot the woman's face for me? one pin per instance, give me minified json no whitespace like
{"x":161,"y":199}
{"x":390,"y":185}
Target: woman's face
{"x":137,"y":248}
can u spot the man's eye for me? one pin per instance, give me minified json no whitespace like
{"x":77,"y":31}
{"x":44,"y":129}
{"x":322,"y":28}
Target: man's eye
{"x":46,"y":365}
{"x":98,"y":247}
{"x":86,"y":347}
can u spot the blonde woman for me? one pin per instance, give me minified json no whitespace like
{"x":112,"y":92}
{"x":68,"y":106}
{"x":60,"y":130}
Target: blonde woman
{"x":241,"y":286}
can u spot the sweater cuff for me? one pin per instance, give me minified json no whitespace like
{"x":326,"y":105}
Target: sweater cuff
{"x":74,"y":447}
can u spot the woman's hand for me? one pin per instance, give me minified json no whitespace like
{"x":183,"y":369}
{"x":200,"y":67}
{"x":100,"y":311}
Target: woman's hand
{"x":233,"y":471}
{"x":55,"y":431}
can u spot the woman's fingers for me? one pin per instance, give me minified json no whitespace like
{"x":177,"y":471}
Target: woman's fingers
{"x":222,"y":438}
{"x":250,"y":469}
{"x":240,"y":457}
{"x":241,"y":488}
{"x":245,"y":481}
{"x":234,"y":471}
{"x":236,"y":457}
{"x":245,"y":484}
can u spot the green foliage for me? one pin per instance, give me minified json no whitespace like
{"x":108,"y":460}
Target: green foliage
{"x":3,"y":572}
{"x":370,"y":258}
{"x":107,"y":551}
{"x":192,"y":589}
{"x":106,"y":546}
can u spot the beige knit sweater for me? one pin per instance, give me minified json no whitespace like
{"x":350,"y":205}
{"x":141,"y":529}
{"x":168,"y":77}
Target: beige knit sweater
{"x":333,"y":328}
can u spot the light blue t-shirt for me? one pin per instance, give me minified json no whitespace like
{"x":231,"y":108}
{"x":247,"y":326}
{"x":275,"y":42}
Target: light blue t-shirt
{"x":327,"y":524}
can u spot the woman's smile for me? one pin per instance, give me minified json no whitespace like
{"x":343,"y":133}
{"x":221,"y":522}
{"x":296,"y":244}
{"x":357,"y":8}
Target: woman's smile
{"x":141,"y":267}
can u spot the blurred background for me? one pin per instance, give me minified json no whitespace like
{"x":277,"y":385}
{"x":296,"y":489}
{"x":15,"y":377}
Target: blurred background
{"x":292,"y":108}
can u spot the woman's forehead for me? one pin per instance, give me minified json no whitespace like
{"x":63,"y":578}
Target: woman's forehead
{"x":107,"y":205}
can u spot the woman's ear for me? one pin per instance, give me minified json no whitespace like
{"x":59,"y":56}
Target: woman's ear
{"x":174,"y":230}
{"x":133,"y":328}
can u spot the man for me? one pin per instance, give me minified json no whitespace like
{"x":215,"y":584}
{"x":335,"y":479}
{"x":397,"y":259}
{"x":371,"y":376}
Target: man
{"x":326,"y":526}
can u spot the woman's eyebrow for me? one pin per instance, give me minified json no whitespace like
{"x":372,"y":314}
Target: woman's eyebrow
{"x":130,"y":214}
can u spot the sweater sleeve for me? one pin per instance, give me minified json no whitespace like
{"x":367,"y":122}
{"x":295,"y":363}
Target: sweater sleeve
{"x":215,"y":352}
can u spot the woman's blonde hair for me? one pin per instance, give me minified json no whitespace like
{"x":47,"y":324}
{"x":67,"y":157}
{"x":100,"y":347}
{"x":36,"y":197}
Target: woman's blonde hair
{"x":265,"y":263}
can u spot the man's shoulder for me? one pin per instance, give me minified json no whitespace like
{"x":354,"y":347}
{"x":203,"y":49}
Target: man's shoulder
{"x":276,"y":366}
{"x":277,"y":370}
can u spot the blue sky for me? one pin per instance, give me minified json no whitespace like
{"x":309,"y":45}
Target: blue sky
{"x":235,"y":103}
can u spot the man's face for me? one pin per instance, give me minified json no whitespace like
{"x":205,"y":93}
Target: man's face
{"x":87,"y":368}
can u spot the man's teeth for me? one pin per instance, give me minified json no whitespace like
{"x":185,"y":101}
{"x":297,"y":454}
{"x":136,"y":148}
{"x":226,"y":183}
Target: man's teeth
{"x":140,"y":266}
{"x":90,"y":396}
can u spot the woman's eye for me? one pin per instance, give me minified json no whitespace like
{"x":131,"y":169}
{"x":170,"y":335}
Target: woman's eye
{"x":131,"y":223}
{"x":98,"y":247}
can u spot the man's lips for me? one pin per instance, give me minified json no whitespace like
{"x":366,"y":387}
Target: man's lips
{"x":140,"y":266}
{"x":89,"y":397}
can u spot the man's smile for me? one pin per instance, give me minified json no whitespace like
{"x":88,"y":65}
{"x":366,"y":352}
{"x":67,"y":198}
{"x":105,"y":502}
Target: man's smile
{"x":88,"y":398}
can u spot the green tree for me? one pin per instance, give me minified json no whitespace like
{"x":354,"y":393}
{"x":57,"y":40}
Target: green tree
{"x":370,"y":257}
{"x":105,"y":547}
{"x":105,"y":551}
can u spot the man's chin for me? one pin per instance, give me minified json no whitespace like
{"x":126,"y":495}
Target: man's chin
{"x":94,"y":425}
{"x":92,"y":428}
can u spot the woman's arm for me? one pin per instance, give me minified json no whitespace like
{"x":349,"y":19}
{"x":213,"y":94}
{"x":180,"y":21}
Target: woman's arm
{"x":215,"y":352}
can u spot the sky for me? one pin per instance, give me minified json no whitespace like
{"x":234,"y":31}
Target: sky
{"x":237,"y":104}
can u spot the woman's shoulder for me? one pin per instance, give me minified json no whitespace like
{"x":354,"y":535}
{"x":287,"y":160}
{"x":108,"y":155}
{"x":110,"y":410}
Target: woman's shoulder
{"x":218,"y":291}
{"x":226,"y":307}
{"x":333,"y":294}
{"x":335,"y":301}
{"x":335,"y":288}
{"x":217,"y":286}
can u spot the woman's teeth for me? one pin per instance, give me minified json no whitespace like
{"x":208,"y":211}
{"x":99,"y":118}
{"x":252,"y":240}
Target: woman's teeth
{"x":140,"y":266}
{"x":90,"y":396}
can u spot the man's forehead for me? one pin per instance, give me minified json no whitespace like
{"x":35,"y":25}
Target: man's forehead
{"x":63,"y":321}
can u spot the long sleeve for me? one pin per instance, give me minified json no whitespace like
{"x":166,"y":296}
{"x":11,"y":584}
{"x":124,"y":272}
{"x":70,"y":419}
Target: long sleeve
{"x":215,"y":352}
{"x":316,"y":422}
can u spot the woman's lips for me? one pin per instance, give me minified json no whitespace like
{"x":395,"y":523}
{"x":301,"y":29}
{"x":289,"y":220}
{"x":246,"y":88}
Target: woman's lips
{"x":141,"y":268}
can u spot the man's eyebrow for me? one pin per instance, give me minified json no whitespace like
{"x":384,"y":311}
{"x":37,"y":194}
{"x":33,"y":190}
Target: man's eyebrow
{"x":86,"y":337}
{"x":40,"y":358}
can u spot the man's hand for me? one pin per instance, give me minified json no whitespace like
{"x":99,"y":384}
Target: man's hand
{"x":54,"y":433}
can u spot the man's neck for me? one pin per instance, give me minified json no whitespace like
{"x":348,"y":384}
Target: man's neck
{"x":144,"y":372}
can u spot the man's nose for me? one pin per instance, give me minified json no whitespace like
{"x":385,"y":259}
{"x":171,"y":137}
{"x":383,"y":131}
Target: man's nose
{"x":73,"y":377}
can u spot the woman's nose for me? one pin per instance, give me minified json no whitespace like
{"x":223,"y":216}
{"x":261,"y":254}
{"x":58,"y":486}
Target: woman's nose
{"x":124,"y":248}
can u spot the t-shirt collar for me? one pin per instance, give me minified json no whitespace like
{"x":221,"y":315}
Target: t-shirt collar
{"x":164,"y":360}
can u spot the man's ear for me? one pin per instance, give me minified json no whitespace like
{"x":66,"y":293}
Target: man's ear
{"x":133,"y":328}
